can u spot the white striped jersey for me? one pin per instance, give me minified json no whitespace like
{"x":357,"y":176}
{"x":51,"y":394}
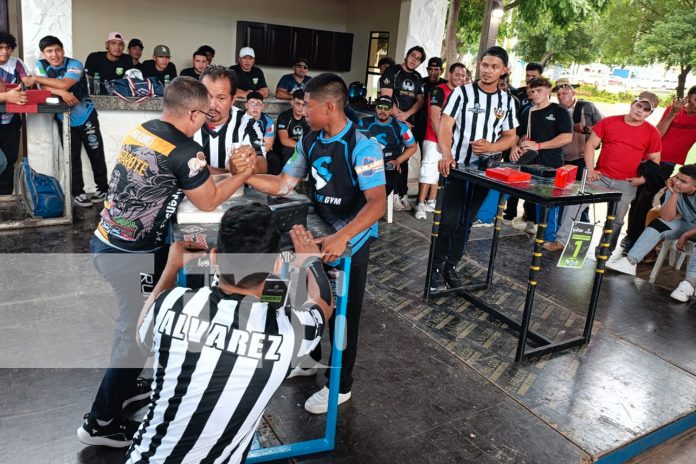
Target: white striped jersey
{"x":478,"y":115}
{"x":219,"y":359}
{"x":217,"y":144}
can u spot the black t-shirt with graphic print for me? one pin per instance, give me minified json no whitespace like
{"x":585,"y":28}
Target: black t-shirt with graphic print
{"x":252,"y":80}
{"x":547,"y":123}
{"x":406,"y":85}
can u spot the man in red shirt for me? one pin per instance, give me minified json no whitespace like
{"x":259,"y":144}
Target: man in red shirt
{"x":429,"y":175}
{"x":626,"y":141}
{"x":678,"y":131}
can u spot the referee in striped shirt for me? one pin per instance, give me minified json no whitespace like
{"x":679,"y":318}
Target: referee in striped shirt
{"x":477,"y":118}
{"x":220,"y":354}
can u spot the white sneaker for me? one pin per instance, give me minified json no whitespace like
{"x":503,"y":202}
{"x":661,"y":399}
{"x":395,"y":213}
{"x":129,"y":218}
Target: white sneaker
{"x":420,"y":211}
{"x":683,"y":292}
{"x":300,"y":371}
{"x":480,"y":223}
{"x":318,"y":403}
{"x":406,"y":204}
{"x":430,"y":206}
{"x":621,"y":264}
{"x":398,"y":206}
{"x":531,"y":228}
{"x":509,"y":222}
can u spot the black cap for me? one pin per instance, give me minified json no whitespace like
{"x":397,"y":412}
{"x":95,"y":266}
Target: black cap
{"x":254,"y":95}
{"x":435,"y":62}
{"x":497,"y":51}
{"x":384,"y":100}
{"x":135,"y":43}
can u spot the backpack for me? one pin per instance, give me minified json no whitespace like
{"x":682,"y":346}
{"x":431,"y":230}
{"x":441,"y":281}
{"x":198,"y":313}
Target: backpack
{"x":132,"y":87}
{"x":39,"y":195}
{"x":577,"y":112}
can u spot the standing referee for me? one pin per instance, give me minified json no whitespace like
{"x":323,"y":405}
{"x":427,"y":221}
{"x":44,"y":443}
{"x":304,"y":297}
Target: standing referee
{"x":477,"y":118}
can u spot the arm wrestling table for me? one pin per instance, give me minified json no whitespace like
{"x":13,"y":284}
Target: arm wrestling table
{"x":61,"y":167}
{"x":541,"y":192}
{"x":203,"y":227}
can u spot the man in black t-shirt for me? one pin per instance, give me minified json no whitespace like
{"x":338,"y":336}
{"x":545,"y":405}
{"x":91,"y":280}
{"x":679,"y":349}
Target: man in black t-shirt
{"x":160,"y":65}
{"x":290,"y":127}
{"x":250,"y":78}
{"x":200,"y":62}
{"x":111,"y":64}
{"x":135,"y":51}
{"x":158,"y":164}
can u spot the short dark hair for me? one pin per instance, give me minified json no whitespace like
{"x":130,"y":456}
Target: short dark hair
{"x":535,"y":67}
{"x":184,"y":94}
{"x":206,"y":49}
{"x":199,"y":52}
{"x":215,"y":72}
{"x":49,"y":41}
{"x":9,"y":39}
{"x":255,"y":95}
{"x":691,"y":91}
{"x":689,"y":170}
{"x":457,"y":65}
{"x":298,"y":94}
{"x":417,"y":48}
{"x":247,"y":229}
{"x":539,"y":82}
{"x":386,"y":60}
{"x":328,"y":85}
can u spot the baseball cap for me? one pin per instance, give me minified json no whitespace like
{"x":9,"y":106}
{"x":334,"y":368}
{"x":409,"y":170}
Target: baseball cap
{"x":563,"y":82}
{"x":247,"y":51}
{"x":384,"y":100}
{"x":649,"y":98}
{"x":162,"y":50}
{"x":114,"y":36}
{"x":135,"y":43}
{"x":435,"y":62}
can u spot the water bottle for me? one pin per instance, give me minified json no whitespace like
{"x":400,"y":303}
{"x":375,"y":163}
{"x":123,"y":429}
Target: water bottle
{"x":166,"y":80}
{"x":96,"y":82}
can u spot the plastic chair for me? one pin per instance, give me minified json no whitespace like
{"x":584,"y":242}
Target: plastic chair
{"x":676,"y":257}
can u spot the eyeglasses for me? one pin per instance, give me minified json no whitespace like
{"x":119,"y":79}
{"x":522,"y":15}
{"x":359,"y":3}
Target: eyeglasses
{"x":383,"y":107}
{"x":208,"y":115}
{"x":255,"y":104}
{"x":302,"y":66}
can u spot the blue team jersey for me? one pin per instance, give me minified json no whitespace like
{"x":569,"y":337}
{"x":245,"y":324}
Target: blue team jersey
{"x":266,"y":125}
{"x":392,"y":135}
{"x":287,"y":82}
{"x":72,"y":69}
{"x":341,"y":168}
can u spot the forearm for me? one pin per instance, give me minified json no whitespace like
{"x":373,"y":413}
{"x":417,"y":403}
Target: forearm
{"x":53,"y":83}
{"x":668,"y":211}
{"x":264,"y":92}
{"x":272,"y":185}
{"x":655,"y":157}
{"x":261,"y":166}
{"x":408,"y":152}
{"x":368,"y":215}
{"x":416,"y":107}
{"x":224,"y":190}
{"x":558,"y":141}
{"x":505,"y":142}
{"x":663,"y":125}
{"x":282,"y":94}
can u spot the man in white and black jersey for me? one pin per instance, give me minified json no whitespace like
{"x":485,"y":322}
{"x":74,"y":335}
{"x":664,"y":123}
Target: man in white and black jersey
{"x":220,"y":352}
{"x":477,"y":118}
{"x":226,"y":124}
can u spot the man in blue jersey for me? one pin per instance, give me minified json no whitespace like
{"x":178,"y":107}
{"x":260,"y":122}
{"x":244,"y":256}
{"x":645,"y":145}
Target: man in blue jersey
{"x":396,"y":138}
{"x":65,"y":78}
{"x":346,"y":178}
{"x":290,"y":83}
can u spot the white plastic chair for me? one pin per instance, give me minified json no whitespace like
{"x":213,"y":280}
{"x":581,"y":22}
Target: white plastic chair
{"x":676,"y":258}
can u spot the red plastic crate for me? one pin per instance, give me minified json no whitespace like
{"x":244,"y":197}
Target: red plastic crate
{"x":508,"y":175}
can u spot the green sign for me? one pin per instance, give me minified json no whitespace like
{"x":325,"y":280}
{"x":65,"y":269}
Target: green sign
{"x":573,"y":255}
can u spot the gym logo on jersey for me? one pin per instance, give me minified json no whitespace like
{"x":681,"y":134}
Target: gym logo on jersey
{"x":370,"y":166}
{"x":255,"y":80}
{"x":320,"y":171}
{"x":297,"y":131}
{"x":477,"y":109}
{"x":408,"y":85}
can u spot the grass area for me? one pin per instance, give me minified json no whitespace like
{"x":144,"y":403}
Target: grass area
{"x":593,"y":94}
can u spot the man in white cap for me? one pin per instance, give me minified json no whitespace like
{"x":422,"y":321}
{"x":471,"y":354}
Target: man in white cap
{"x":250,"y":78}
{"x":110,"y":64}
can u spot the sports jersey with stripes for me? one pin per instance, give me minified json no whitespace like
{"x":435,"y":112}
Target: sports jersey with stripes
{"x":217,"y":143}
{"x":11,"y":73}
{"x":478,"y":115}
{"x":220,"y":358}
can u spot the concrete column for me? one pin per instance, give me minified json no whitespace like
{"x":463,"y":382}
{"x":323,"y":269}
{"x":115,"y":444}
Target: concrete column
{"x":41,"y":18}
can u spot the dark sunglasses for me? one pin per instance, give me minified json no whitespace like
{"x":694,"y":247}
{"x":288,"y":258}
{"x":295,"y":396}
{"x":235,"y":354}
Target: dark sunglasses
{"x":303,"y":66}
{"x":383,"y":107}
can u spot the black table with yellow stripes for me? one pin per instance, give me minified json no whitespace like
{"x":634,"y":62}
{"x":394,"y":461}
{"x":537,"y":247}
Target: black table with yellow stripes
{"x":543,"y":193}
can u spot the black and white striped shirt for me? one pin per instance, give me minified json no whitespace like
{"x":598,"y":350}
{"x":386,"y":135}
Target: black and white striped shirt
{"x":217,"y":143}
{"x":219,"y":359}
{"x":478,"y":115}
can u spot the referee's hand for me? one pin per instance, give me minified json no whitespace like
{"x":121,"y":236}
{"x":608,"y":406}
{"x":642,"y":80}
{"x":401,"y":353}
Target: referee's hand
{"x":445,"y":164}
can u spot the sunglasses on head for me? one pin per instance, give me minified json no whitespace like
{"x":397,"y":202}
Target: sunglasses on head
{"x":383,"y":107}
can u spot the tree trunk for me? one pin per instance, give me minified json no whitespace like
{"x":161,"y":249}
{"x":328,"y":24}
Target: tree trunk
{"x":681,"y":80}
{"x":451,"y":37}
{"x":547,"y":56}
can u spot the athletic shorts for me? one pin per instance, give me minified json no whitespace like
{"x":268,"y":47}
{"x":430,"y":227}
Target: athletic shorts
{"x":429,"y":173}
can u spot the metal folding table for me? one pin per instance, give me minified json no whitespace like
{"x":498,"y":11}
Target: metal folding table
{"x":543,"y":193}
{"x":61,"y":166}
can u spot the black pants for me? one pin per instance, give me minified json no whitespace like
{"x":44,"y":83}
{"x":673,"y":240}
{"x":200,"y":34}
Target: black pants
{"x":455,"y":223}
{"x":356,"y":292}
{"x":89,"y":136}
{"x":9,"y":144}
{"x":642,"y":203}
{"x":402,"y":182}
{"x":277,"y":158}
{"x":392,"y":180}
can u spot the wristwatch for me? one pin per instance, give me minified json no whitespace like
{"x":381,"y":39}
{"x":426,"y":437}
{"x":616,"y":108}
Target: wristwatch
{"x":586,"y":130}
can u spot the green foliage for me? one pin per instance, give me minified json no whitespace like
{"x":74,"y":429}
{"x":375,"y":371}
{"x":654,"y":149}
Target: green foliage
{"x":671,"y":40}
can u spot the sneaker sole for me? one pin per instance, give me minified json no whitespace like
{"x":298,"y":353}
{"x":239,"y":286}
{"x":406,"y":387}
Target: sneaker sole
{"x":136,"y":399}
{"x":96,"y":201}
{"x":88,"y":439}
{"x":323,"y":408}
{"x":303,"y":373}
{"x":83,"y":205}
